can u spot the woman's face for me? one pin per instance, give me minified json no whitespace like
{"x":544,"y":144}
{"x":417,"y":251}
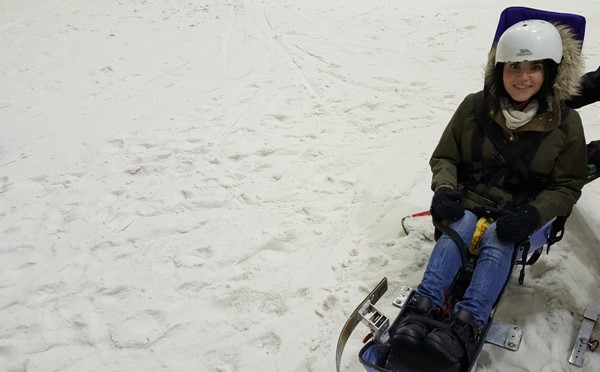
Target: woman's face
{"x":522,"y":80}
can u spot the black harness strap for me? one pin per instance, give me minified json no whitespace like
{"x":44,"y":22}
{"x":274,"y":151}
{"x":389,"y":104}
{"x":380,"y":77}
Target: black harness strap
{"x":463,"y":248}
{"x":509,"y":167}
{"x":511,"y":163}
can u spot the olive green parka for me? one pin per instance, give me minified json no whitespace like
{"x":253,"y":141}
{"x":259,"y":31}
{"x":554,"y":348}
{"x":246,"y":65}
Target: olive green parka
{"x":560,"y":159}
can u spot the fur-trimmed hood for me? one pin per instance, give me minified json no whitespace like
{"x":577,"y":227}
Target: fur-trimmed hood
{"x":568,"y":76}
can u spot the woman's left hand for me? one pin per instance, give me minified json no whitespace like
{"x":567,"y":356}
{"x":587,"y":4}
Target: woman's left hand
{"x":517,"y":224}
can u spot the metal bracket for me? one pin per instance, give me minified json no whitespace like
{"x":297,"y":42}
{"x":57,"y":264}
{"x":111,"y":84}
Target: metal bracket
{"x":375,"y":320}
{"x":402,"y":298}
{"x":590,"y":317}
{"x":507,"y":336}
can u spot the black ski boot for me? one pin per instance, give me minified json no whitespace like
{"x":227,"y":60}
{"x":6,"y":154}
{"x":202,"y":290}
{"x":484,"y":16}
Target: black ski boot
{"x":413,"y":329}
{"x":454,"y":342}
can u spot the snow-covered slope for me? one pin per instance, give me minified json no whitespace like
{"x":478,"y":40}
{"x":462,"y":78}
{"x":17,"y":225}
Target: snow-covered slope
{"x":214,"y":185}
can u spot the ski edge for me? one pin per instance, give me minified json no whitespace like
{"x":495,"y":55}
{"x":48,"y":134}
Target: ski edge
{"x":354,"y":319}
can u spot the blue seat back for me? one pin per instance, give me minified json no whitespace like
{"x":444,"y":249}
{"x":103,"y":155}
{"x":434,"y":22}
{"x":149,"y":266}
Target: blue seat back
{"x":512,"y":15}
{"x":536,"y":241}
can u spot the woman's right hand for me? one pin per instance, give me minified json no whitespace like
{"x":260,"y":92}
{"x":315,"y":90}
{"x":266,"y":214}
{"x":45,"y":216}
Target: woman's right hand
{"x":446,"y":204}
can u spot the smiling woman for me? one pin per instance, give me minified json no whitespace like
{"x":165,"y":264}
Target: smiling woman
{"x":523,"y":97}
{"x":522,"y":80}
{"x":527,"y":55}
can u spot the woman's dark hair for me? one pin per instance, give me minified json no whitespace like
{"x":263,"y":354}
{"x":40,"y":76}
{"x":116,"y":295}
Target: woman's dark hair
{"x":493,"y":99}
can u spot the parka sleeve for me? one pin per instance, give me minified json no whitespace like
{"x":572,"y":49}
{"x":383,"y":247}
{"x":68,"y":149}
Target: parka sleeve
{"x":569,"y":174}
{"x":447,"y":155}
{"x":590,"y":90}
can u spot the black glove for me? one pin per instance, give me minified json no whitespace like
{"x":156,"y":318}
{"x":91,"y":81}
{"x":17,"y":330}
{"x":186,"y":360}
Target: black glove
{"x":446,"y":204}
{"x":516,"y":225}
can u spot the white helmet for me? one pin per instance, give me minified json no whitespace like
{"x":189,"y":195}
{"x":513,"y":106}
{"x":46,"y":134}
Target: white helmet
{"x":530,"y":40}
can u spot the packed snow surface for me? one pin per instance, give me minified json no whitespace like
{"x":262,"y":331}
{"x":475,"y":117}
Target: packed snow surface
{"x":215,"y":185}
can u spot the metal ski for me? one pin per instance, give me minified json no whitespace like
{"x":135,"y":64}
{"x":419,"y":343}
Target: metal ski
{"x":497,"y":333}
{"x":363,"y":311}
{"x":582,"y":342}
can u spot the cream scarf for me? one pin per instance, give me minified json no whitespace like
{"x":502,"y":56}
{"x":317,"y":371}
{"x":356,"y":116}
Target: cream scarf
{"x":515,"y":118}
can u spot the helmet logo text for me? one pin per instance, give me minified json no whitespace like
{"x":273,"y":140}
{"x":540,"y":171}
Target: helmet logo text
{"x":524,"y":52}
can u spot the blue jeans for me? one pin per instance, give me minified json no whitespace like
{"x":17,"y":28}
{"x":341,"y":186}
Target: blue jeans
{"x":489,"y":277}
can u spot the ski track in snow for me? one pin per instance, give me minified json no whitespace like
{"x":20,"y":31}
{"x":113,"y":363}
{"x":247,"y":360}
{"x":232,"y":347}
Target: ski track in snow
{"x":215,"y":186}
